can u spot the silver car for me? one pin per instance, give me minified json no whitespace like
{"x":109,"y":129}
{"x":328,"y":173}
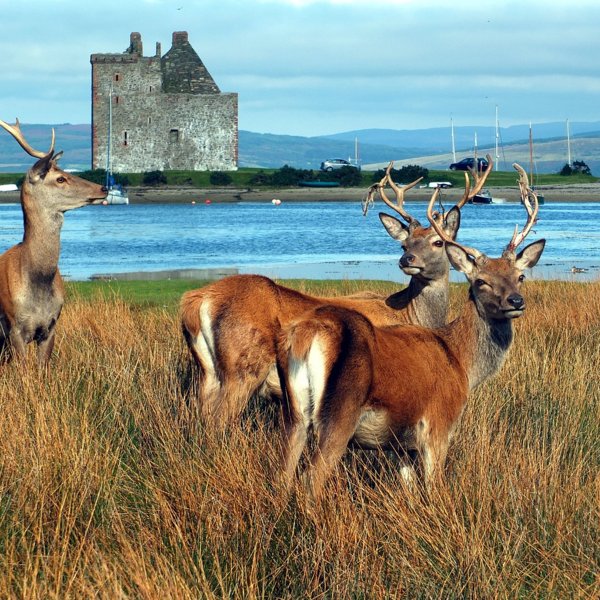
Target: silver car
{"x":336,"y":163}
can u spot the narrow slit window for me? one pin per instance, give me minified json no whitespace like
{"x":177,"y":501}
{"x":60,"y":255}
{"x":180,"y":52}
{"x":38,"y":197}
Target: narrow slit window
{"x":117,"y":77}
{"x":117,"y":99}
{"x":149,"y":120}
{"x":174,"y":136}
{"x":125,"y":138}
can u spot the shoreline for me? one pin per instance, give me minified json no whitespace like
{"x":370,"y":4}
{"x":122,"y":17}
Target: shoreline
{"x":185,"y":194}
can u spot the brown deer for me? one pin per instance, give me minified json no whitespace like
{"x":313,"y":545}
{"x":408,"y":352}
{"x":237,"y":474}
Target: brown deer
{"x":400,"y":387}
{"x":31,"y":288}
{"x":231,"y":326}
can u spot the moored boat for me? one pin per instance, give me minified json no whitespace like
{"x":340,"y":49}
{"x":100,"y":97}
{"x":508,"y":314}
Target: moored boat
{"x":319,"y":184}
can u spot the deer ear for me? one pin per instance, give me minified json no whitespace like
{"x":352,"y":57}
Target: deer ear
{"x":40,"y":168}
{"x":529,"y":256}
{"x":395,"y":228}
{"x":452,"y":222}
{"x":459,"y":259}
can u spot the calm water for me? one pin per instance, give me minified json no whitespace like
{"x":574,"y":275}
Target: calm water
{"x":328,"y":240}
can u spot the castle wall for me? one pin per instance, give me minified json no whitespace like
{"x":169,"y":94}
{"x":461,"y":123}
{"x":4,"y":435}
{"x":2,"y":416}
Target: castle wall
{"x":157,"y":130}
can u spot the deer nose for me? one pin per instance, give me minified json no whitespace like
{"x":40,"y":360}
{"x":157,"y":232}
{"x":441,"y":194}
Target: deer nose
{"x":406,"y":260}
{"x":516,"y":301}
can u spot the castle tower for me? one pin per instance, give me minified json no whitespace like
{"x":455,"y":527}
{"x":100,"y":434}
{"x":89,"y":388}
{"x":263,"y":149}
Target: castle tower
{"x":167,"y":112}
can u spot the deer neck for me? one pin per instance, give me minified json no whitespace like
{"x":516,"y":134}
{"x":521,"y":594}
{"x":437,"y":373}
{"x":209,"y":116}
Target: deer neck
{"x":41,"y":242}
{"x":480,"y":343}
{"x":425,"y":301}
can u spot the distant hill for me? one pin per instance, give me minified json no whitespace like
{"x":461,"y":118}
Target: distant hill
{"x":427,"y":147}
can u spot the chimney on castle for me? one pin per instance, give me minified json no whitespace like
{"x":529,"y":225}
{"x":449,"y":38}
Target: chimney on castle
{"x":135,"y":43}
{"x":180,"y":38}
{"x":158,"y":50}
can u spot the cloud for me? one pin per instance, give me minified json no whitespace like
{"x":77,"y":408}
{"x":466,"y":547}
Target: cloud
{"x":310,"y":67}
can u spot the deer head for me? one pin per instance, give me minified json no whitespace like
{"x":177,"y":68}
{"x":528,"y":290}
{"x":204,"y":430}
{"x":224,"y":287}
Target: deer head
{"x":495,"y":282}
{"x":47,"y":186}
{"x":423,"y":248}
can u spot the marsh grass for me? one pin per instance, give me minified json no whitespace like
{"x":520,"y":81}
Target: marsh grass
{"x":109,"y":487}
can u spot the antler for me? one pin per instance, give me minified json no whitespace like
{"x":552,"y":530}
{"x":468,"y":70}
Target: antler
{"x":478,"y":179}
{"x":436,"y":223}
{"x":399,"y":191}
{"x":15,"y":131}
{"x":527,"y":195}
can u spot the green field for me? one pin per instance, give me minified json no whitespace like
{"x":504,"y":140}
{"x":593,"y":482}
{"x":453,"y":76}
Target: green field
{"x":241,"y":178}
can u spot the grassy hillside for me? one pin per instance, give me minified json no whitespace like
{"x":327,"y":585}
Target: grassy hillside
{"x":111,"y":488}
{"x":427,"y":147}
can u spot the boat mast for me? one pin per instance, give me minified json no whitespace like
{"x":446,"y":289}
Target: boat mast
{"x":453,"y":145}
{"x":530,"y":154}
{"x":497,"y":139}
{"x":568,"y":145}
{"x":108,"y":148}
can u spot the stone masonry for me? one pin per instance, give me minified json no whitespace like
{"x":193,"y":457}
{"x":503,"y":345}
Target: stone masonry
{"x":167,"y":112}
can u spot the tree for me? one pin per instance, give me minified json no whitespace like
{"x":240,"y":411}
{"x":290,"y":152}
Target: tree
{"x":154,"y":178}
{"x":406,"y":174}
{"x":577,"y":168}
{"x":220,"y":178}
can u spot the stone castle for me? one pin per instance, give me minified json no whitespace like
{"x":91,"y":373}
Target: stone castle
{"x":167,"y":111}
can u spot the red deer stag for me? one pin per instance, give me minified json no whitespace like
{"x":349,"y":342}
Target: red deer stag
{"x":400,"y":387}
{"x":31,"y":288}
{"x":231,"y":326}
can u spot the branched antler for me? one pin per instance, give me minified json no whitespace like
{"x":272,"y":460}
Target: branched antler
{"x":399,"y":191}
{"x":436,"y":223}
{"x":15,"y":131}
{"x":530,"y":201}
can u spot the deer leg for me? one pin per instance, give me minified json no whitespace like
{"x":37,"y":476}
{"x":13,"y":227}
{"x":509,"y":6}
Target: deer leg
{"x":433,"y":456}
{"x":294,"y":433}
{"x":334,"y":436}
{"x":18,"y":346}
{"x":44,"y":349}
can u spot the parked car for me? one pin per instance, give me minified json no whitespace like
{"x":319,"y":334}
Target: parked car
{"x":469,"y":163}
{"x":440,"y":184}
{"x":336,"y":163}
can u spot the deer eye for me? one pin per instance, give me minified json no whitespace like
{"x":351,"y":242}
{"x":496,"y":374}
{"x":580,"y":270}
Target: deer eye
{"x":479,"y":282}
{"x":61,"y":179}
{"x":438,"y":243}
{"x":521,"y":278}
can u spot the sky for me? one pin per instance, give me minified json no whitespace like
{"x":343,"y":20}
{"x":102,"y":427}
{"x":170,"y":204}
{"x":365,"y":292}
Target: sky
{"x":318,"y":67}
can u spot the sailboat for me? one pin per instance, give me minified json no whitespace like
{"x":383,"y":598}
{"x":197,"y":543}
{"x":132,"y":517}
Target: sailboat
{"x":116,"y":193}
{"x":539,"y":195}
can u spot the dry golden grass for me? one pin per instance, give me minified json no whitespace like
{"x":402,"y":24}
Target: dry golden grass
{"x":110,"y":489}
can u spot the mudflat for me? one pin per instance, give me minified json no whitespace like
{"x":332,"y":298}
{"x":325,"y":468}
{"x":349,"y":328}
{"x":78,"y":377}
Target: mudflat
{"x":589,"y":192}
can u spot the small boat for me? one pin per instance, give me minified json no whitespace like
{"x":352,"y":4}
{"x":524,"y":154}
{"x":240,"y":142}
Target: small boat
{"x":319,"y":184}
{"x":117,"y":194}
{"x":484,"y":197}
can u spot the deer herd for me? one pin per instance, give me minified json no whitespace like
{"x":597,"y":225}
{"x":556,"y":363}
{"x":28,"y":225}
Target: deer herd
{"x":368,"y":370}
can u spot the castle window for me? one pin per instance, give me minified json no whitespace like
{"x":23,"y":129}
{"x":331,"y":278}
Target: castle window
{"x":149,"y":120}
{"x":117,"y":99}
{"x":125,"y":138}
{"x":150,"y":88}
{"x":174,"y":135}
{"x":117,"y":77}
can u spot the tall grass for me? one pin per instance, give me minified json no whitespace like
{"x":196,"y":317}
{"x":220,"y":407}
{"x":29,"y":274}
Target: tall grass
{"x":109,"y":488}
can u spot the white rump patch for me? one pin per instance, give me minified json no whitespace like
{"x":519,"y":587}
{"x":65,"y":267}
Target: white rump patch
{"x":205,"y":346}
{"x":307,"y":380}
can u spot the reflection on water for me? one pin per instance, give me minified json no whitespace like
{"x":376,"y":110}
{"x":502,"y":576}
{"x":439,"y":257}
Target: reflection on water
{"x":319,"y":240}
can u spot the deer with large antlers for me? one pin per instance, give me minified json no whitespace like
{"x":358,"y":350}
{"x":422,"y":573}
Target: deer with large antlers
{"x":31,"y":288}
{"x":400,"y":387}
{"x":231,"y":326}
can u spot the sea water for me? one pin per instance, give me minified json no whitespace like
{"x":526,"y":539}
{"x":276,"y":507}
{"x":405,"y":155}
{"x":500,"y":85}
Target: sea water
{"x":314,"y":240}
